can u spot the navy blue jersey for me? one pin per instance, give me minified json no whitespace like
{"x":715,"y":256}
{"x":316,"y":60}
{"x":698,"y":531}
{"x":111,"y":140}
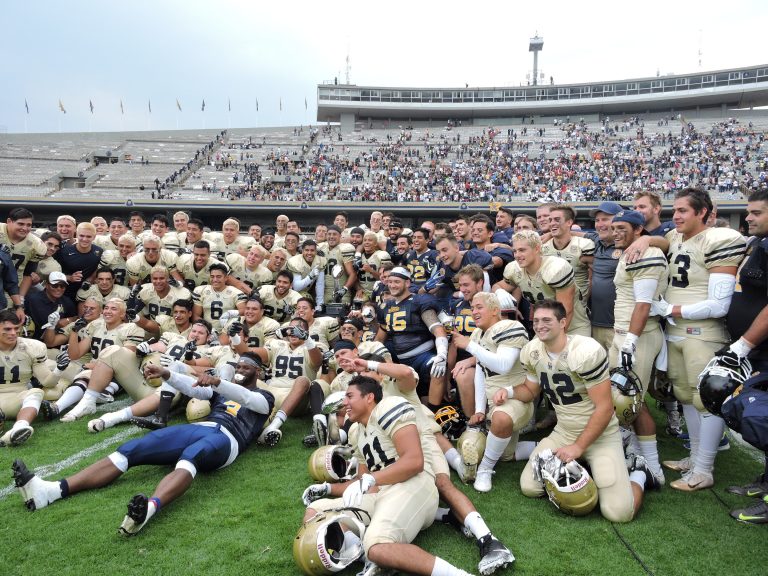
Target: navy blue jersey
{"x":463,"y":323}
{"x":244,"y":424}
{"x":420,"y":266}
{"x":450,"y":282}
{"x":403,"y":324}
{"x":662,"y":229}
{"x":497,"y":273}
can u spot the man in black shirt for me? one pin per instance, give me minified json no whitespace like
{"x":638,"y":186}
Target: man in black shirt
{"x":79,"y":261}
{"x":204,"y":446}
{"x":43,"y":306}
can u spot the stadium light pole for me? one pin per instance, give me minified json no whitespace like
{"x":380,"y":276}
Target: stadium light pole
{"x":535,"y":45}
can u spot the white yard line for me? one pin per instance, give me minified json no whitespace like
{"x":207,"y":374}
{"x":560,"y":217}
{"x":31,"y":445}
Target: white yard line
{"x":51,"y":469}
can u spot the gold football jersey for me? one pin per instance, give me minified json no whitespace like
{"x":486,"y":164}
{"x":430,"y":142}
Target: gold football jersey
{"x":121,"y":292}
{"x":262,"y":332}
{"x":566,"y":378}
{"x":31,"y":249}
{"x":287,"y":364}
{"x":689,"y":264}
{"x":154,"y":305}
{"x":215,"y":303}
{"x":194,"y":278}
{"x":121,"y":335}
{"x":111,"y":259}
{"x":280,"y":309}
{"x":375,"y":260}
{"x":341,"y":253}
{"x":105,"y":241}
{"x":298,"y":265}
{"x":503,"y":334}
{"x":16,"y":366}
{"x":554,"y":274}
{"x":255,"y":278}
{"x":577,"y":247}
{"x":652,"y":266}
{"x":139,"y":269}
{"x":167,"y":324}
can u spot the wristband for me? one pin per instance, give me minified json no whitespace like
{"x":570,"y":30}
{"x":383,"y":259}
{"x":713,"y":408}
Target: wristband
{"x":373,"y":366}
{"x":510,"y":392}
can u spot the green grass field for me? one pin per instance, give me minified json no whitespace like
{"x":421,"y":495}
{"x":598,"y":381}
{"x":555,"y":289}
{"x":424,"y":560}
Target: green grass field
{"x":243,"y":519}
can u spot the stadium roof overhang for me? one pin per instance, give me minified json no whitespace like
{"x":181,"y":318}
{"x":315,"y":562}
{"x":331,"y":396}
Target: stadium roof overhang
{"x":737,"y":88}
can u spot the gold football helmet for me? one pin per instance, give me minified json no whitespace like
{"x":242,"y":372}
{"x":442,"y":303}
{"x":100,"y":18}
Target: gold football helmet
{"x":318,"y":548}
{"x":471,"y":447}
{"x":627,"y":395}
{"x":569,"y":486}
{"x":332,"y":464}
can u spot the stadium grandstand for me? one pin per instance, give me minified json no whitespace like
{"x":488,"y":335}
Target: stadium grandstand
{"x":405,"y":149}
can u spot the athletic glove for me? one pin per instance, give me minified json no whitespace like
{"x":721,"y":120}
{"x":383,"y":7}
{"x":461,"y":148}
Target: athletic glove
{"x":228,"y":315}
{"x":80,"y":323}
{"x":299,"y":333}
{"x":315,"y":492}
{"x":235,"y":328}
{"x":53,"y":319}
{"x":353,"y":494}
{"x":62,"y":360}
{"x":85,"y":286}
{"x":189,"y":350}
{"x":438,"y":364}
{"x":314,"y":273}
{"x":628,"y":351}
{"x":143,"y":349}
{"x":339,"y":294}
{"x":166,"y":360}
{"x":662,"y":308}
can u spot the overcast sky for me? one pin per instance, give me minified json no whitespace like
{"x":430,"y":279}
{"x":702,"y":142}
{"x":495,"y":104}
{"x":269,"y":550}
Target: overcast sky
{"x":239,"y":52}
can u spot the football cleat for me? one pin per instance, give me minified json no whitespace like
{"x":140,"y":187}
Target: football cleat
{"x":371,"y":569}
{"x":755,"y":514}
{"x":483,"y":482}
{"x":136,"y":518}
{"x":320,"y":430}
{"x":270,"y":437}
{"x":17,"y":435}
{"x":693,"y":481}
{"x":83,"y":408}
{"x":150,"y":422}
{"x":97,"y":425}
{"x":310,"y":440}
{"x":450,"y":518}
{"x":49,"y":410}
{"x":756,"y":489}
{"x":36,"y":492}
{"x":493,"y":555}
{"x":636,"y":462}
{"x":104,"y":398}
{"x":678,"y":465}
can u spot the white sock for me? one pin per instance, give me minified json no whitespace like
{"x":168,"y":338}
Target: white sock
{"x":454,"y":458}
{"x":494,"y":448}
{"x":649,"y":449}
{"x":475,"y":523}
{"x":112,"y":388}
{"x":117,"y":417}
{"x":71,"y":396}
{"x":524,"y":450}
{"x":638,"y":477}
{"x":443,"y":568}
{"x":278,"y":420}
{"x":151,"y":509}
{"x":693,"y":423}
{"x":712,"y":428}
{"x":21,"y":423}
{"x":342,"y":436}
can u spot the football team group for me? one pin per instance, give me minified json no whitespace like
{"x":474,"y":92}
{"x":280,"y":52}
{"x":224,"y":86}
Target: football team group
{"x":411,"y":354}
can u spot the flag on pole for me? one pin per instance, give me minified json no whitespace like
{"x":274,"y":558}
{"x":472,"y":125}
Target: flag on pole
{"x":26,"y":105}
{"x":178,"y":105}
{"x":90,"y":103}
{"x":61,"y":106}
{"x":202,"y":109}
{"x":229,"y":105}
{"x":305,"y":103}
{"x":257,"y":104}
{"x":149,"y":105}
{"x":281,"y":104}
{"x":122,"y":110}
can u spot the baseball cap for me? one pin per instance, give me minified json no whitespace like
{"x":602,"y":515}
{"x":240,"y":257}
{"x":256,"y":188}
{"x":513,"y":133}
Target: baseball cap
{"x":506,"y":209}
{"x":608,"y":208}
{"x":57,"y":278}
{"x":401,"y":272}
{"x":631,"y":216}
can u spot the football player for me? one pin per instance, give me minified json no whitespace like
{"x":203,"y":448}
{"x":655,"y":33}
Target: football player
{"x":308,"y":272}
{"x":495,"y":347}
{"x":216,"y":298}
{"x":338,"y":289}
{"x":371,"y":259}
{"x":483,"y":238}
{"x":253,"y":328}
{"x":102,"y":290}
{"x":237,"y":416}
{"x":452,"y":260}
{"x":20,"y":360}
{"x":195,"y":268}
{"x":157,"y":297}
{"x":409,"y":326}
{"x":110,"y":240}
{"x":279,"y":299}
{"x":231,"y":240}
{"x":577,"y":250}
{"x":117,"y":260}
{"x":572,"y":370}
{"x":460,"y":362}
{"x":48,"y":264}
{"x":26,"y":249}
{"x":248,"y":272}
{"x":538,"y":277}
{"x":323,"y":330}
{"x":140,"y":265}
{"x":421,"y":261}
{"x":703,"y":265}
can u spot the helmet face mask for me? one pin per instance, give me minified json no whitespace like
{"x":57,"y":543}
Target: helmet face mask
{"x":569,"y":486}
{"x":720,"y":380}
{"x":451,"y":421}
{"x":660,"y":388}
{"x":627,"y":395}
{"x":332,"y":464}
{"x":318,"y":548}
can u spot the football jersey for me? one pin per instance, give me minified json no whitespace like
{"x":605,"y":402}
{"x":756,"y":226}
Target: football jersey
{"x":46,"y":266}
{"x":82,"y":333}
{"x":450,"y":283}
{"x":339,"y":254}
{"x":301,"y":267}
{"x":567,"y":377}
{"x":403,"y":323}
{"x":554,"y":274}
{"x":463,"y":323}
{"x":217,"y":355}
{"x":262,"y":332}
{"x":139,"y":269}
{"x":280,"y":309}
{"x":254,"y":278}
{"x":374,"y":347}
{"x":105,"y":241}
{"x":576,"y":248}
{"x":28,"y":251}
{"x":689,"y":264}
{"x":215,"y":303}
{"x":167,"y":324}
{"x":121,"y":335}
{"x":324,"y":330}
{"x":503,"y":334}
{"x":121,"y":292}
{"x":375,"y":260}
{"x":420,"y":266}
{"x":175,"y":344}
{"x":652,"y":266}
{"x":194,"y":278}
{"x":287,"y":364}
{"x":111,"y":259}
{"x":16,"y":366}
{"x":155,"y":305}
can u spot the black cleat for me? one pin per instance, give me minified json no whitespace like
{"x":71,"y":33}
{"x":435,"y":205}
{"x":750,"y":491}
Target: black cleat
{"x":756,"y":489}
{"x":49,"y":410}
{"x":755,"y":514}
{"x":21,"y":474}
{"x":136,"y":517}
{"x":310,"y":440}
{"x":493,"y":555}
{"x":149,"y":422}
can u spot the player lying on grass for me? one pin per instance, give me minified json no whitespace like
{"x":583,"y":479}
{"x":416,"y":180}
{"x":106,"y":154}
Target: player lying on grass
{"x":238,"y":414}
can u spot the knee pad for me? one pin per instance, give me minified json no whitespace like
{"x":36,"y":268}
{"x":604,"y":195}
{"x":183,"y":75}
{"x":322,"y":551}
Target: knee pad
{"x":188,"y":466}
{"x":119,"y":460}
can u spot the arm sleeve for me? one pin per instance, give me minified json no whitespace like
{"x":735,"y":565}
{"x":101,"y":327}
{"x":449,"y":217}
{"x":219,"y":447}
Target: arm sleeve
{"x":320,"y":289}
{"x":719,"y":293}
{"x":480,"y":400}
{"x":500,"y":362}
{"x":185,"y":385}
{"x":301,"y":282}
{"x":252,"y":400}
{"x":645,"y":289}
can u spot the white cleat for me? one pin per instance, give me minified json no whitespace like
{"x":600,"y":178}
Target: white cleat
{"x":97,"y":425}
{"x":493,"y":555}
{"x":136,"y":518}
{"x":17,"y":435}
{"x":483,"y":482}
{"x":36,"y":492}
{"x":270,"y":437}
